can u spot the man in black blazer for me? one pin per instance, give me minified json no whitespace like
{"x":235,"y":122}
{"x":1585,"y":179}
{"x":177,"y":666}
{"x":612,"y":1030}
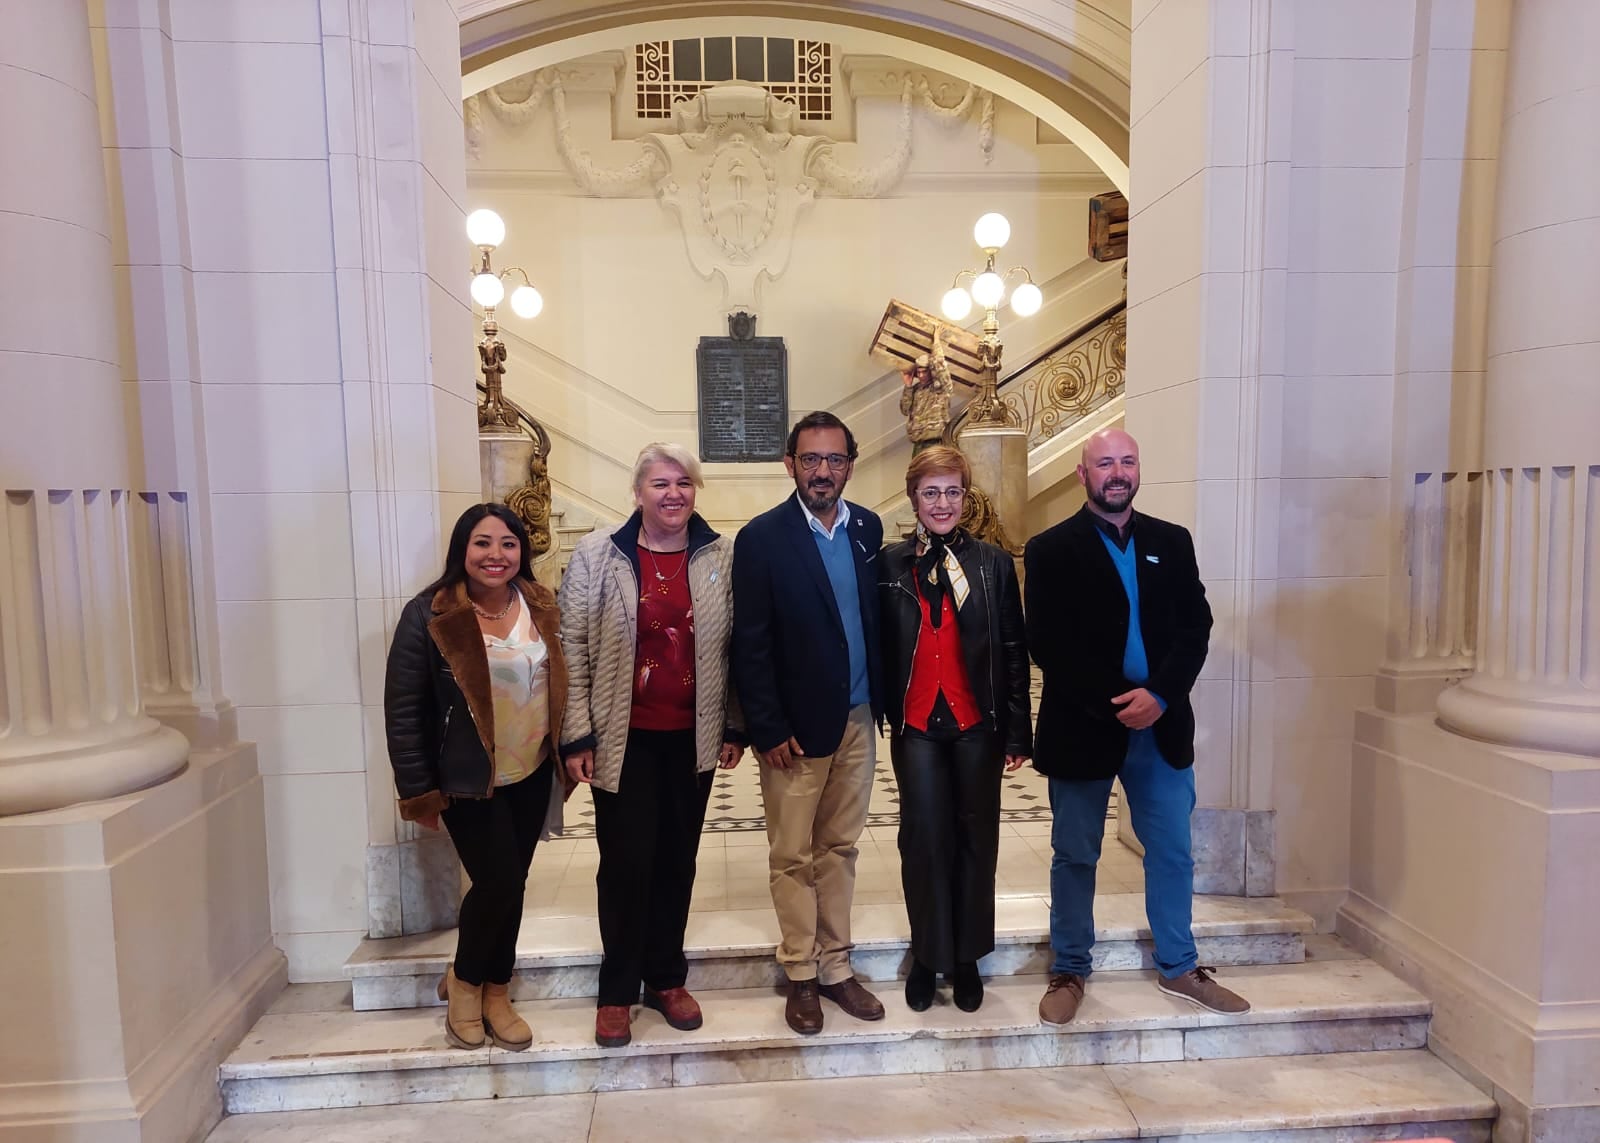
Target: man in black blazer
{"x":805,"y":660}
{"x":1118,"y":624}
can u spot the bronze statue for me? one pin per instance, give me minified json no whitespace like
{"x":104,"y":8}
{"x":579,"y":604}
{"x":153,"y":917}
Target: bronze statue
{"x":925,"y":399}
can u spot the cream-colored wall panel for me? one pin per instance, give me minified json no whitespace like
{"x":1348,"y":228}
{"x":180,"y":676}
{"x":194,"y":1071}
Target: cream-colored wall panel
{"x":1267,"y":504}
{"x":1454,"y":217}
{"x":1230,"y":27}
{"x":1177,"y":227}
{"x":408,"y":435}
{"x":441,"y":136}
{"x":282,"y":545}
{"x":1216,"y":530}
{"x":1213,"y":740}
{"x":1225,"y":220}
{"x":1345,"y":219}
{"x":1171,"y":501}
{"x":421,"y":529}
{"x":1319,"y":708}
{"x":39,"y":176}
{"x":147,"y":208}
{"x":1572,"y":924}
{"x":1337,"y":426}
{"x":259,"y":215}
{"x":365,"y":542}
{"x":1228,"y":144}
{"x":267,"y":328}
{"x":1350,"y":113}
{"x":436,"y":32}
{"x":455,"y":443}
{"x":295,"y":652}
{"x":399,"y":215}
{"x":323,"y":739}
{"x":1458,"y":24}
{"x":1272,"y":349}
{"x":1277,"y":209}
{"x":338,"y":81}
{"x":1353,"y":29}
{"x":275,"y":438}
{"x":1170,"y":144}
{"x":1463,"y":93}
{"x":452,"y":339}
{"x":1557,"y":308}
{"x":152,"y":327}
{"x":251,"y":100}
{"x":1311,"y":794}
{"x":246,"y":21}
{"x":1171,"y":43}
{"x":1333,"y":527}
{"x":130,"y":14}
{"x":137,"y":64}
{"x":404,"y":329}
{"x":379,"y":774}
{"x":373,"y":630}
{"x":1340,"y":324}
{"x":344,"y":173}
{"x":1562,"y":133}
{"x":1280,"y":110}
{"x":446,"y":250}
{"x":1443,"y":314}
{"x":361,"y":444}
{"x":1224,"y":321}
{"x":317,"y":850}
{"x":394,"y":102}
{"x":1329,"y":626}
{"x":1165,"y":335}
{"x":389,"y":22}
{"x":317,"y":957}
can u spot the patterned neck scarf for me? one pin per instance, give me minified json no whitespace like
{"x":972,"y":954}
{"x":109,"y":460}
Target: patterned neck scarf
{"x":939,"y":572}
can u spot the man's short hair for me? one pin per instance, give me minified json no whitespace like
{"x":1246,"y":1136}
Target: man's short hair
{"x":821,"y":419}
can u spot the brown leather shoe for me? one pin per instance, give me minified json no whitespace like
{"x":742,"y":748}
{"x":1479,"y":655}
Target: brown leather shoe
{"x":680,"y":1009}
{"x":463,"y":1020}
{"x":506,"y":1028}
{"x":804,"y":1010}
{"x":612,"y":1025}
{"x":1061,"y":998}
{"x":857,"y":1001}
{"x":1197,"y":987}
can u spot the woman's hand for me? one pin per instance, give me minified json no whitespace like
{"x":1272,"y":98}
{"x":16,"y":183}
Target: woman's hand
{"x":429,"y":821}
{"x":730,"y":756}
{"x":1014,"y":762}
{"x":580,"y":766}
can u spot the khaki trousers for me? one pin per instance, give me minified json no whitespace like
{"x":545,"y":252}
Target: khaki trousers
{"x":816,"y":811}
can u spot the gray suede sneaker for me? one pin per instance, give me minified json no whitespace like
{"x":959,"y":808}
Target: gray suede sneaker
{"x":1197,"y":987}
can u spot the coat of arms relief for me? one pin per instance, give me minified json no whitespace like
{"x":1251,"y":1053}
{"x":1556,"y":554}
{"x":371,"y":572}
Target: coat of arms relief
{"x":733,"y":167}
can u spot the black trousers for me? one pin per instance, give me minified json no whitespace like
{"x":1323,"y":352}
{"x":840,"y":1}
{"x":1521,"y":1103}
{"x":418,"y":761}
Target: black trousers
{"x":949,"y":841}
{"x":649,"y":836}
{"x":494,"y":839}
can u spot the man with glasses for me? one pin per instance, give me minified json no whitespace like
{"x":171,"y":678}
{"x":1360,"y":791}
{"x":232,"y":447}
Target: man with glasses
{"x":805,"y":659}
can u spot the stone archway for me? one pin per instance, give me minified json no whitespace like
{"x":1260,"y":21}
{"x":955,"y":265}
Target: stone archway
{"x":1078,"y":84}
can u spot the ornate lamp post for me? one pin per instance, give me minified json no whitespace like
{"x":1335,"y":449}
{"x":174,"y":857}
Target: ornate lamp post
{"x":987,"y":288}
{"x":487,"y":230}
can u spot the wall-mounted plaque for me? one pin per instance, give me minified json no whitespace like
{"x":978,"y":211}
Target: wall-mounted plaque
{"x":744,"y":394}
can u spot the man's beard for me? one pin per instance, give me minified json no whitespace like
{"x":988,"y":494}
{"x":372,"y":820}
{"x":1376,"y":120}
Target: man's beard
{"x":820,"y":500}
{"x":1113,"y":496}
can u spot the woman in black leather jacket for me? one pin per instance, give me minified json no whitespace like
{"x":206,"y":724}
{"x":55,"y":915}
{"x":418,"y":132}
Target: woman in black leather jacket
{"x":472,"y":702}
{"x":956,"y":659}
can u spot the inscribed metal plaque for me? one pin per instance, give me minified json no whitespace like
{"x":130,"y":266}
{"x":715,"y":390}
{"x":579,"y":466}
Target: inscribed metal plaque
{"x":744,"y":398}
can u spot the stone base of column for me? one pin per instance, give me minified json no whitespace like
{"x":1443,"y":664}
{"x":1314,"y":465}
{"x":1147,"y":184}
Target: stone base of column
{"x":1235,"y":851}
{"x":999,"y":460}
{"x":1532,"y":715}
{"x":147,"y":955}
{"x":414,"y":886}
{"x":1414,"y":688}
{"x":80,"y":767}
{"x":1471,"y":877}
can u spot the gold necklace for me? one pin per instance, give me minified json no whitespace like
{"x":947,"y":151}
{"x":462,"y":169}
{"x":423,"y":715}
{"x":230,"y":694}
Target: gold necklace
{"x":657,"y":567}
{"x":503,"y":611}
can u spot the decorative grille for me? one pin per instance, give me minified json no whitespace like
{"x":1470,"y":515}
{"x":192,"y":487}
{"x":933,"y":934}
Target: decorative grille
{"x":668,"y":72}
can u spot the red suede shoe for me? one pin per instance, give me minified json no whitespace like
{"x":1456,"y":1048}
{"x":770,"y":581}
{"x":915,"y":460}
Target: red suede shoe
{"x":612,"y":1025}
{"x":680,"y":1009}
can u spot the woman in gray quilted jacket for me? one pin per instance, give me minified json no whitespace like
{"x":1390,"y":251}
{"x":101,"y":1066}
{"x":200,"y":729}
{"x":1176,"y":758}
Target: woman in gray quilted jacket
{"x":646,"y":614}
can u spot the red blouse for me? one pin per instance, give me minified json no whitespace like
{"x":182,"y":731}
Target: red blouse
{"x":663,"y":664}
{"x":938,"y":665}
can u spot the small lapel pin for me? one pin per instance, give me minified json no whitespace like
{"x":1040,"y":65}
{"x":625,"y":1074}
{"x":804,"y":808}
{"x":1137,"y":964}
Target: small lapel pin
{"x":713,"y":577}
{"x":1154,"y":559}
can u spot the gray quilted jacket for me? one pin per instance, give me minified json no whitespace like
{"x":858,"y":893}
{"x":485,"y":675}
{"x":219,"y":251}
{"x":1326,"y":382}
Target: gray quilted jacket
{"x":599,"y":634}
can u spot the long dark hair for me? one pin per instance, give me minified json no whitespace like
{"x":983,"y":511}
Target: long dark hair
{"x":455,"y":559}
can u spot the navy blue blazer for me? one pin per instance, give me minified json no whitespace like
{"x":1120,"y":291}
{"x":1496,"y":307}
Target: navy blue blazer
{"x":790,"y":660}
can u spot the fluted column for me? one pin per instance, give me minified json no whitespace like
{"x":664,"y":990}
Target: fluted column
{"x":1537,"y":678}
{"x":71,"y":723}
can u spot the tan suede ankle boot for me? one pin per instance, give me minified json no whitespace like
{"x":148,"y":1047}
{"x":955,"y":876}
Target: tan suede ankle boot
{"x":506,"y":1028}
{"x":463,"y":1020}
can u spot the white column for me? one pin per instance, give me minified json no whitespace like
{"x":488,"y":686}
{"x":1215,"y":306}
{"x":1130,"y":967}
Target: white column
{"x":72,"y":727}
{"x":1537,"y":682}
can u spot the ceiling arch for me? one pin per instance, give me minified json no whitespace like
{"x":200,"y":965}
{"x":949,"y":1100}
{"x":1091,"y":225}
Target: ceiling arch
{"x":1064,"y":62}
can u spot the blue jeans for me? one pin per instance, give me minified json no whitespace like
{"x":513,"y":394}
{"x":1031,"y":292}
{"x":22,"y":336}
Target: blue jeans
{"x":1160,"y":800}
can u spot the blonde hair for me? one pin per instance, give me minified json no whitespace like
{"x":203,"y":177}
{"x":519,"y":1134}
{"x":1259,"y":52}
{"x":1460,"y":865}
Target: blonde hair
{"x":663,"y":452}
{"x":932,"y":461}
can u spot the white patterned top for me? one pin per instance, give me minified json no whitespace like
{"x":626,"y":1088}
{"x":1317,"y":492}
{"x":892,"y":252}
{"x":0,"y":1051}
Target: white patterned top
{"x":519,"y":681}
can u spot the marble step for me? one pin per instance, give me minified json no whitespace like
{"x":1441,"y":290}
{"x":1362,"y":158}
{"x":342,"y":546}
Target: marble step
{"x":300,"y":1060}
{"x":1303,"y":1099}
{"x":559,"y":957}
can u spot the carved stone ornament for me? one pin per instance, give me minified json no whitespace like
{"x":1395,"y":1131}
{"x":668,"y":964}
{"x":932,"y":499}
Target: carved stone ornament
{"x":735,"y":174}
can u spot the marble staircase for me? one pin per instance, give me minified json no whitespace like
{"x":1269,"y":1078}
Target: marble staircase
{"x":1334,"y":1050}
